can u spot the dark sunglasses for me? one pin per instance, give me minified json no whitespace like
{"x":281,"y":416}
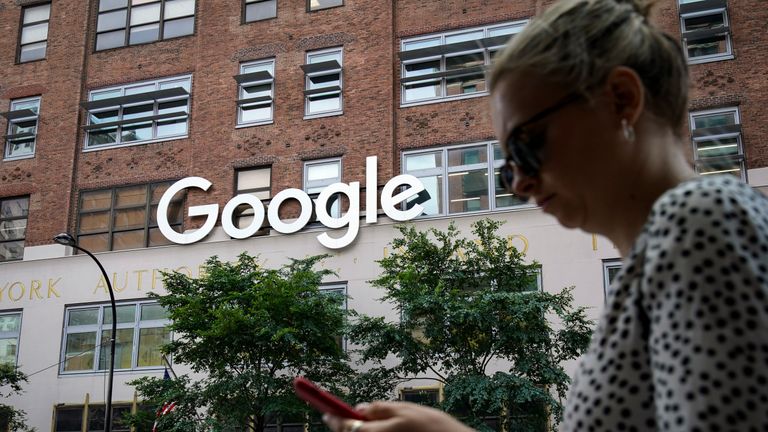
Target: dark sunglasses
{"x":524,"y":146}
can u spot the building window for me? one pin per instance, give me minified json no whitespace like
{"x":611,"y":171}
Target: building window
{"x":717,"y":145}
{"x":125,"y":217}
{"x":13,"y":227}
{"x":257,"y":10}
{"x":10,"y":329}
{"x":257,"y":182}
{"x":610,"y":269}
{"x":429,"y":396}
{"x":313,"y":5}
{"x":22,"y":128}
{"x":70,"y":418}
{"x":338,"y":290}
{"x":460,"y":179}
{"x":320,"y":174}
{"x":450,"y":65}
{"x":141,"y":331}
{"x":33,"y":41}
{"x":255,"y":92}
{"x":138,"y":113}
{"x":322,"y":94}
{"x":139,"y":22}
{"x":706,"y":32}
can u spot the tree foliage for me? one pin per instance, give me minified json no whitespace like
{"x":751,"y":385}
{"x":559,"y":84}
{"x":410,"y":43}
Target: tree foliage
{"x":467,"y":310}
{"x":249,"y":330}
{"x":11,"y":380}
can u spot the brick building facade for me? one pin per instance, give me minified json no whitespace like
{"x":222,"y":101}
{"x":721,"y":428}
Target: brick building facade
{"x":102,"y":98}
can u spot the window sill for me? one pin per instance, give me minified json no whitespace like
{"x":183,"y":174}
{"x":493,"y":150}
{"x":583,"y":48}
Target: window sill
{"x":444,"y":99}
{"x":137,"y":143}
{"x":723,"y":57}
{"x":261,"y":123}
{"x":321,"y":115}
{"x":106,"y":371}
{"x":15,"y":158}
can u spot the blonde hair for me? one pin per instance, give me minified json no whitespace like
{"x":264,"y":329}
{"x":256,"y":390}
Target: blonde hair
{"x":578,"y":43}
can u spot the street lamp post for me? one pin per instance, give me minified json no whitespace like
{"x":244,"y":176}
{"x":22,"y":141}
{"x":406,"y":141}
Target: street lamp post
{"x":67,"y":240}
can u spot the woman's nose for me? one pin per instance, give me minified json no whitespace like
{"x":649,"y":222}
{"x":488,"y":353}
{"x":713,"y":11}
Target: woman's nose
{"x":522,"y":185}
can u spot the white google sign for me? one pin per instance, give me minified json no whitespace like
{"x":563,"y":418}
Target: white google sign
{"x":351,"y":219}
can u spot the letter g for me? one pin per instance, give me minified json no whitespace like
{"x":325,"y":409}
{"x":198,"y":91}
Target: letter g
{"x":209,"y":210}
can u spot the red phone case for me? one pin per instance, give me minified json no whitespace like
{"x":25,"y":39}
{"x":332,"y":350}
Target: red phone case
{"x":323,"y":401}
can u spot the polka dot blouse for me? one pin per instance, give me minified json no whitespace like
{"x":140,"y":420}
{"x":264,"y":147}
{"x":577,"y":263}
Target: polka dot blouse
{"x":683,"y":342}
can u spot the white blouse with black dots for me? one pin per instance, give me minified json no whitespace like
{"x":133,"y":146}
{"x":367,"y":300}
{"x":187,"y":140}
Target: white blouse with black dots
{"x":683,"y":342}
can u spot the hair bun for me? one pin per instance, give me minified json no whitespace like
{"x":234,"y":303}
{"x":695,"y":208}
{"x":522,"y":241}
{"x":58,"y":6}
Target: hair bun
{"x":641,"y":7}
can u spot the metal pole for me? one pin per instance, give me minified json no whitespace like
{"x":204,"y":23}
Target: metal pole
{"x":108,"y":416}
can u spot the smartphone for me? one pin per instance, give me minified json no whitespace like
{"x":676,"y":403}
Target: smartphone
{"x":323,"y":401}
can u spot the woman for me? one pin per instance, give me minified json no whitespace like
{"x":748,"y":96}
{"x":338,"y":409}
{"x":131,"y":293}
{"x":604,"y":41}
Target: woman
{"x":590,"y":100}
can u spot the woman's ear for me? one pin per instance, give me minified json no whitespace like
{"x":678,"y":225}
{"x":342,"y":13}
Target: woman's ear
{"x":625,"y":90}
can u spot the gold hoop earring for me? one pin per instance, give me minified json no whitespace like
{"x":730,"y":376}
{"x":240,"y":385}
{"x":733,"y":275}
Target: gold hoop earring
{"x":629,"y":131}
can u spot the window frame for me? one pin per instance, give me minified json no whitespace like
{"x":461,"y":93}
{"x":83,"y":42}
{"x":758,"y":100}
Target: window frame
{"x":492,"y":164}
{"x":100,"y":327}
{"x":740,"y":158}
{"x":253,"y":191}
{"x":310,"y":9}
{"x":127,"y":27}
{"x":13,"y":335}
{"x":110,"y":231}
{"x":245,"y":4}
{"x":239,"y":123}
{"x":517,"y":26}
{"x":727,"y":55}
{"x":339,"y":287}
{"x":120,"y":107}
{"x":321,"y":184}
{"x":307,"y":77}
{"x":11,"y":122}
{"x":12,"y":218}
{"x":608,"y":265}
{"x":22,"y":26}
{"x":86,"y":410}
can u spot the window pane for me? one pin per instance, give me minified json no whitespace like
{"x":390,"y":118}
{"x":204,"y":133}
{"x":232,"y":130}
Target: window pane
{"x":144,"y":34}
{"x":704,"y":22}
{"x":152,"y":312}
{"x":422,"y":68}
{"x":156,"y":238}
{"x":103,"y":116}
{"x":94,"y":222}
{"x":34,"y":33}
{"x":468,"y":191}
{"x":465,"y":84}
{"x":719,"y":166}
{"x":138,"y":89}
{"x":178,"y":8}
{"x":102,"y":137}
{"x":179,"y":27}
{"x":11,"y":250}
{"x":125,"y":314}
{"x":150,"y":341}
{"x":8,"y":348}
{"x":16,"y":207}
{"x":261,"y":10}
{"x":324,"y":57}
{"x":105,"y":94}
{"x":424,"y":90}
{"x":708,"y":46}
{"x":464,"y":61}
{"x":467,"y":156}
{"x":69,"y":419}
{"x":128,"y":240}
{"x":13,"y":229}
{"x":425,"y":43}
{"x":158,"y":189}
{"x":175,"y":213}
{"x":78,"y":317}
{"x":323,"y":103}
{"x":145,"y":14}
{"x":326,"y":171}
{"x":33,"y":52}
{"x":172,"y":127}
{"x":322,"y":4}
{"x":123,"y":348}
{"x":10,"y":322}
{"x":112,"y":4}
{"x":79,"y":352}
{"x":717,"y":147}
{"x":713,"y":120}
{"x":137,"y":132}
{"x":130,"y":196}
{"x":21,"y":147}
{"x":112,"y":20}
{"x":110,"y":40}
{"x":323,"y":81}
{"x":96,"y":417}
{"x":138,"y":111}
{"x":130,"y":218}
{"x":37,"y":13}
{"x":504,"y":198}
{"x":433,"y":185}
{"x":94,"y":243}
{"x":468,"y":36}
{"x":253,"y":113}
{"x":253,"y":178}
{"x":96,"y":200}
{"x":256,"y":90}
{"x":423,"y":161}
{"x":177,"y":106}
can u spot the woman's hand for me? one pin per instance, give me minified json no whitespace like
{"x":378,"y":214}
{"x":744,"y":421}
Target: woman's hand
{"x":397,"y":417}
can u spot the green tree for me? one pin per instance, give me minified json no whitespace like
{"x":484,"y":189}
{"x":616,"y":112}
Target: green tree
{"x":467,"y":309}
{"x":249,"y":330}
{"x":11,"y":380}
